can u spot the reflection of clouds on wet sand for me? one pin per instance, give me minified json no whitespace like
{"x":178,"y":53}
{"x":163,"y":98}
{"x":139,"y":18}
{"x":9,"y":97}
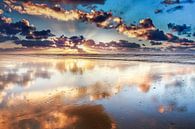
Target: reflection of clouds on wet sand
{"x":81,"y":78}
{"x":34,"y":82}
{"x":74,"y":66}
{"x":172,"y":106}
{"x":22,"y":79}
{"x":57,"y":116}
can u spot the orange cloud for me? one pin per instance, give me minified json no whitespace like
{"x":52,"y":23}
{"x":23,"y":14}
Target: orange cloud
{"x":144,"y":30}
{"x":100,"y":18}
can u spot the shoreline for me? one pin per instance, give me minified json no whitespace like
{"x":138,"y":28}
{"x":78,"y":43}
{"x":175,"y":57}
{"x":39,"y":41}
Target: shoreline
{"x":179,"y":58}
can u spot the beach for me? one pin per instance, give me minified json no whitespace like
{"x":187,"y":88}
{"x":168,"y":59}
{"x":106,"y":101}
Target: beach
{"x":83,"y":92}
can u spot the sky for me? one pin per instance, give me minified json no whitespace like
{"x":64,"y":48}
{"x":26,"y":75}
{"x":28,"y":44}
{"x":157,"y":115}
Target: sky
{"x":96,"y":26}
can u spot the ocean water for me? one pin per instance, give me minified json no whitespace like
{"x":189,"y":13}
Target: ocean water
{"x":97,"y":92}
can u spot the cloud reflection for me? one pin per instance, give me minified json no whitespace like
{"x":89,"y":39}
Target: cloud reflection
{"x":73,"y":87}
{"x":89,"y":78}
{"x":61,"y":117}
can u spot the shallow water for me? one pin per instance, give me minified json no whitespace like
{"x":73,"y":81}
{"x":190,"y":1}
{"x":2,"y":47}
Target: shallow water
{"x":67,"y":93}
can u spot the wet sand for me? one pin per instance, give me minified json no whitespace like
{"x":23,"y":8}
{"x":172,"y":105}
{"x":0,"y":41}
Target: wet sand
{"x":76,"y":93}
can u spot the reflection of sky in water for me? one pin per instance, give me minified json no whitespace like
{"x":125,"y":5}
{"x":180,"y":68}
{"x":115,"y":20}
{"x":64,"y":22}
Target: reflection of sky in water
{"x":126,"y":94}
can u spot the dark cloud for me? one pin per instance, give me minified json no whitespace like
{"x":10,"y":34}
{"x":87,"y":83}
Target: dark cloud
{"x":59,"y":42}
{"x":182,"y":47}
{"x":122,"y":44}
{"x":76,"y":42}
{"x":22,"y":27}
{"x":158,"y":11}
{"x":171,"y":1}
{"x":43,"y":34}
{"x":75,"y":39}
{"x":10,"y":30}
{"x":179,"y":7}
{"x":101,"y":17}
{"x":157,"y":35}
{"x":173,"y":38}
{"x":194,"y":34}
{"x":73,"y":42}
{"x":83,"y":2}
{"x":155,"y":43}
{"x":35,"y":43}
{"x":146,"y":23}
{"x":181,"y":29}
{"x":146,"y":30}
{"x":4,"y":38}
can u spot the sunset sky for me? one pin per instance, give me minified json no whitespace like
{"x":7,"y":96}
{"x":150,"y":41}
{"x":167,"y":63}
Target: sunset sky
{"x":96,"y":26}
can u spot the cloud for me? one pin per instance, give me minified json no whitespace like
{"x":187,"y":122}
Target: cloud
{"x":181,"y":29}
{"x":172,"y":5}
{"x":44,"y":10}
{"x":139,"y":31}
{"x":102,"y":19}
{"x":120,"y":45}
{"x":74,"y":2}
{"x":179,"y":7}
{"x":155,"y":43}
{"x":22,"y":27}
{"x":171,"y":1}
{"x":35,"y":43}
{"x":42,"y":38}
{"x":144,"y":30}
{"x":77,"y":42}
{"x":157,"y":11}
{"x":45,"y":38}
{"x":4,"y":38}
{"x":156,"y":35}
{"x":43,"y":34}
{"x":173,"y":38}
{"x":83,"y":1}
